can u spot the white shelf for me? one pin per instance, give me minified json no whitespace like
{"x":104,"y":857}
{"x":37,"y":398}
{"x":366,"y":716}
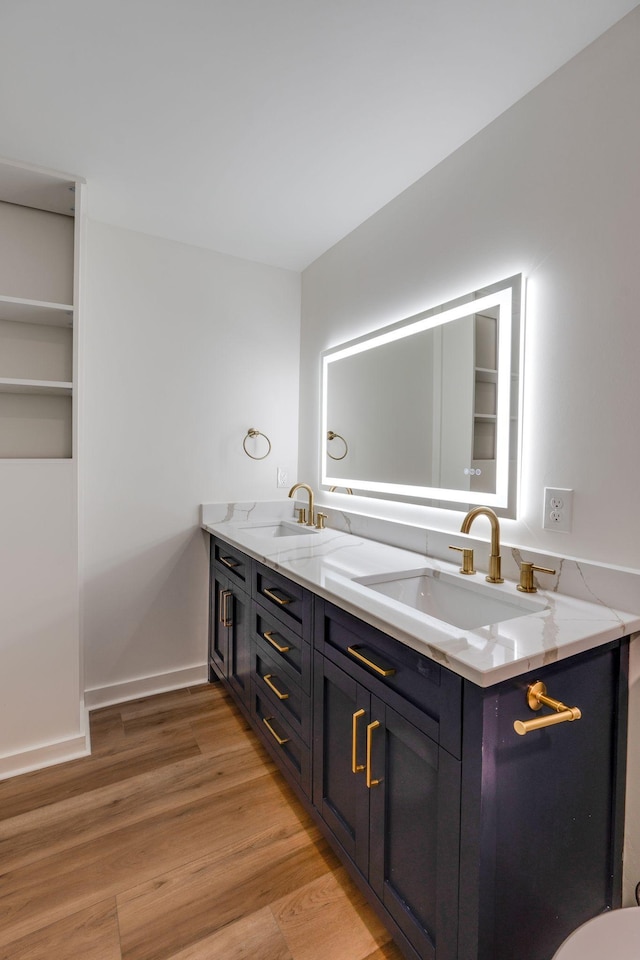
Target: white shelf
{"x":41,"y":189}
{"x":36,"y":311}
{"x":36,"y":387}
{"x":486,"y":375}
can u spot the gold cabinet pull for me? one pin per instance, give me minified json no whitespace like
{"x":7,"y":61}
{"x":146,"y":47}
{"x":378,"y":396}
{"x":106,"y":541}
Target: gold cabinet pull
{"x":536,"y":697}
{"x":382,"y":671}
{"x":355,"y":766}
{"x":228,"y":562}
{"x":281,"y":696}
{"x":370,"y":728}
{"x":279,"y":740}
{"x":274,"y":643}
{"x":273,"y":596}
{"x":225,"y":618}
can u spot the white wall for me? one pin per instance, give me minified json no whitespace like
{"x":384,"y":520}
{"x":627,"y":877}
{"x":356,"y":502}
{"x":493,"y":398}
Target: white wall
{"x":552,"y":189}
{"x":41,"y":717}
{"x":182,"y":351}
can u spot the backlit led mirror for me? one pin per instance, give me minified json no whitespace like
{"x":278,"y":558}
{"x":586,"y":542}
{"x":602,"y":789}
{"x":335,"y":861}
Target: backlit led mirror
{"x":428,"y":409}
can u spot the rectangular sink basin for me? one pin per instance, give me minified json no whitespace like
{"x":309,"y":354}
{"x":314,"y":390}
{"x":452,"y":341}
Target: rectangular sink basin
{"x":465,"y":604}
{"x":280,"y":528}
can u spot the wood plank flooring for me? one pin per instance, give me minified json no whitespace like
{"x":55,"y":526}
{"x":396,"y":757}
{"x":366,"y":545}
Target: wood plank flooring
{"x":177,"y":839}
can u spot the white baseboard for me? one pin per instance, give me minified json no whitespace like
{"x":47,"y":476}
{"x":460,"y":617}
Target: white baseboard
{"x":145,"y":687}
{"x":44,"y":756}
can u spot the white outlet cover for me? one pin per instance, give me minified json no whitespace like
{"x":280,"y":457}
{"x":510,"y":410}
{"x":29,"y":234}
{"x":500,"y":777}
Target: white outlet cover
{"x":557,"y":509}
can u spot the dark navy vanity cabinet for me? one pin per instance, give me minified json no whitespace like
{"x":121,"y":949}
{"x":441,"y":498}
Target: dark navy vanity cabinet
{"x":281,"y":672}
{"x":229,"y":612}
{"x":470,"y":841}
{"x":387,"y":790}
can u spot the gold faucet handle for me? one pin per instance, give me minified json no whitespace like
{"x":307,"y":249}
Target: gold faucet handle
{"x":467,"y":559}
{"x":302,"y":514}
{"x":320,"y":519}
{"x":526,"y":584}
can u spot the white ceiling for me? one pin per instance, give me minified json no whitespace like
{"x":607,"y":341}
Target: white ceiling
{"x":267,"y":129}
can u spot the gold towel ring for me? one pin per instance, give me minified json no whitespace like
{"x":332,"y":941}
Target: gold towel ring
{"x":336,"y":436}
{"x":252,"y":432}
{"x":334,"y":489}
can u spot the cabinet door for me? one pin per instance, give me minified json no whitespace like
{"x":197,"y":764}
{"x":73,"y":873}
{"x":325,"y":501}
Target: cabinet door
{"x":341,"y":714}
{"x":220,"y":597}
{"x":414,"y":804}
{"x":238,"y":609}
{"x":229,"y":652}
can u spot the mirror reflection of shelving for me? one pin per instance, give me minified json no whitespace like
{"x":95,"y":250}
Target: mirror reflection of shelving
{"x":485,"y":401}
{"x":37,"y":235}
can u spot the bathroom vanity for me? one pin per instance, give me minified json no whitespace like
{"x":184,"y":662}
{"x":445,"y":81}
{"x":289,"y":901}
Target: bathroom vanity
{"x":472,"y":842}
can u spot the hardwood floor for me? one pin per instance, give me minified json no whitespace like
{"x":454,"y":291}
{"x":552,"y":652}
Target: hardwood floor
{"x":176,"y":840}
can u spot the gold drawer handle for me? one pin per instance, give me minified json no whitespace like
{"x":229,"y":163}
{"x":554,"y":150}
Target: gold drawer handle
{"x":273,"y":596}
{"x":371,"y":727}
{"x":229,"y":562}
{"x":279,"y":740}
{"x":274,"y":643}
{"x":272,"y":686}
{"x":355,"y":766}
{"x":226,"y":619}
{"x":382,"y":671}
{"x":536,"y":696}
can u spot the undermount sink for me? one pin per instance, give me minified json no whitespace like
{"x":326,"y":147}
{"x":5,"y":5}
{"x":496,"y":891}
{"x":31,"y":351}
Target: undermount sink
{"x":465,"y":604}
{"x":279,"y":528}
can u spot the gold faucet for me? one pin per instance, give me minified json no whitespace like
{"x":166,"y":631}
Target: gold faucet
{"x":495,"y":573}
{"x":311,"y":519}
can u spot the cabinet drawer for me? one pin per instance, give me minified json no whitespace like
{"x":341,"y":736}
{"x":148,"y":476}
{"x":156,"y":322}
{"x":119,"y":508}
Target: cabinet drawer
{"x":283,"y":743}
{"x":287,"y":648}
{"x":390,"y":669}
{"x":234,"y":563}
{"x":286,"y":600}
{"x":276,"y":685}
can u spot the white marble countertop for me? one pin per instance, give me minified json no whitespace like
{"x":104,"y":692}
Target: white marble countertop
{"x":327,"y":561}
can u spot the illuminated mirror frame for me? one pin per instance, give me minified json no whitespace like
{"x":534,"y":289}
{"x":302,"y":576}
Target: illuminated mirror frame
{"x":508,"y":297}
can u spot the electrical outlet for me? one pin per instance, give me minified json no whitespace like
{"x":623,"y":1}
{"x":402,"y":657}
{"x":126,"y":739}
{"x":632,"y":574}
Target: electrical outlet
{"x":558,"y":509}
{"x":282,"y":477}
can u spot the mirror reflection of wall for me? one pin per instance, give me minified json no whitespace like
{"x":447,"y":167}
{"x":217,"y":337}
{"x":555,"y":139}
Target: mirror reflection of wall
{"x":382,"y":402}
{"x":430,"y":405}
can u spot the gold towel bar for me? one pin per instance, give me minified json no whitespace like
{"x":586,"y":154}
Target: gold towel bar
{"x":536,"y":696}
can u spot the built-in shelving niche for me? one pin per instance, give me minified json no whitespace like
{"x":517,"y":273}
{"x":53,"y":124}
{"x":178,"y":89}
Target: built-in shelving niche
{"x":37,"y":331}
